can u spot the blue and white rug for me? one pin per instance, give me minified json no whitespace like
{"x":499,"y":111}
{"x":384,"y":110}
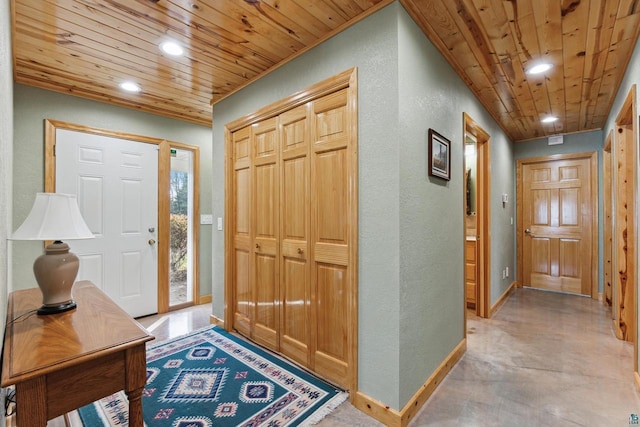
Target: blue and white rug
{"x":212,"y":378}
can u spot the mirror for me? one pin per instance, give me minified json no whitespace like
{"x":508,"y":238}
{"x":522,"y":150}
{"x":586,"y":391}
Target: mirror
{"x":471,"y":172}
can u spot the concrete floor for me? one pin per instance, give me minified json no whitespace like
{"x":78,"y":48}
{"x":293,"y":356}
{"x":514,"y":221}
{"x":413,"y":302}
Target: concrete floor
{"x":544,"y":359}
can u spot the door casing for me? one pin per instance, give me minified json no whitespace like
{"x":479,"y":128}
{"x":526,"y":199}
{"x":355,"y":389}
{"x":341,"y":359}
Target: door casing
{"x":483,"y":207}
{"x":164,"y":168}
{"x":607,"y":178}
{"x":625,"y":230}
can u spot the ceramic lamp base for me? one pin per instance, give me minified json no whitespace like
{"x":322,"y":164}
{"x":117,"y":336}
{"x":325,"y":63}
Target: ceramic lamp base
{"x":55,"y":272}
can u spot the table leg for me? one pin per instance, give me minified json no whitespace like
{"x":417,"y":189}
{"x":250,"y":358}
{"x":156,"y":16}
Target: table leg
{"x":135,"y":407}
{"x":135,"y":380}
{"x":31,"y":402}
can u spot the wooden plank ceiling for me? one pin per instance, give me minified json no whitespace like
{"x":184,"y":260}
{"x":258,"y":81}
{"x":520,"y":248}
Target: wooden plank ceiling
{"x":87,"y":47}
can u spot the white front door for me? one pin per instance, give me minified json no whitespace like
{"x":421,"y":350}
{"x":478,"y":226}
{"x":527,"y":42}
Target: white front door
{"x":116,"y":182}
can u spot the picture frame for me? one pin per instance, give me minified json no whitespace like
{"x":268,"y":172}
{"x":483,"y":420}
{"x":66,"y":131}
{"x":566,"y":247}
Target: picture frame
{"x":439,"y":155}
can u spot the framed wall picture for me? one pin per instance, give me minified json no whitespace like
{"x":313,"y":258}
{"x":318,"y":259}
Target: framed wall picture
{"x":439,"y":155}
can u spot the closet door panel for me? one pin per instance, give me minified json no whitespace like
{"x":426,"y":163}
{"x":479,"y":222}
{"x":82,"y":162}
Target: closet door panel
{"x":265,"y":226}
{"x":243,"y":301}
{"x":331,"y":296}
{"x":295,"y":231}
{"x":331,"y":345}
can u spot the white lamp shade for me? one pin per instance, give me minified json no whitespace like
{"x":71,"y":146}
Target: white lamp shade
{"x":54,"y":216}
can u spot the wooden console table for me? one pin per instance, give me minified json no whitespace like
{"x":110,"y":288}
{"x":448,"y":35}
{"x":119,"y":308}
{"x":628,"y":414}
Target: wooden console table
{"x":61,"y":362}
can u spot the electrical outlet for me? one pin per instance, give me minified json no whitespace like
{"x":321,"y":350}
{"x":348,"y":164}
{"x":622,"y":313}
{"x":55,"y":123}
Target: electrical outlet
{"x":504,"y":274}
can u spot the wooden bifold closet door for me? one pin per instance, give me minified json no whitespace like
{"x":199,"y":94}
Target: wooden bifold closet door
{"x":291,"y":281}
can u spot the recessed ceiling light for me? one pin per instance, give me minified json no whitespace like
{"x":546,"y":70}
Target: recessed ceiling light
{"x":172,"y":48}
{"x":130,"y":87}
{"x":549,"y":119}
{"x":540,"y":68}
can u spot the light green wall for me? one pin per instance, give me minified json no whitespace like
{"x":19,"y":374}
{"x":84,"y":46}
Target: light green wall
{"x":33,"y":105}
{"x":432,"y":211}
{"x":6,"y":148}
{"x":573,"y":143}
{"x":411,"y":235}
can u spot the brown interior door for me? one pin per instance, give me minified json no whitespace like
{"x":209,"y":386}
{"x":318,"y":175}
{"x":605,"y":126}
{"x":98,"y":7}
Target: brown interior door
{"x":266,"y":223}
{"x":557,"y":222}
{"x":330,"y":271}
{"x":243,"y":298}
{"x":295,"y":225}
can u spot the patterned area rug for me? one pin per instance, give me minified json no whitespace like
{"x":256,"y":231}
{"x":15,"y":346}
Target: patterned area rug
{"x":211,"y":378}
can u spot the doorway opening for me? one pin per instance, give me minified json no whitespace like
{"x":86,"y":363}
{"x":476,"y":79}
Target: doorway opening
{"x":476,"y":213}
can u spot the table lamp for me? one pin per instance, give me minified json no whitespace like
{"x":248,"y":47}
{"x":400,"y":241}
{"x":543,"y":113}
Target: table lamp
{"x":55,"y":217}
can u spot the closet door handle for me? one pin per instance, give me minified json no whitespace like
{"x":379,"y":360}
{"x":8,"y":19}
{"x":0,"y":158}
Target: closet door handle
{"x":300,"y":251}
{"x":257,"y":245}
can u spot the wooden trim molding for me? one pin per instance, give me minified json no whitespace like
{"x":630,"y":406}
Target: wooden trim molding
{"x":376,"y":409}
{"x":636,"y":377}
{"x":495,"y":307}
{"x":607,"y":196}
{"x":205,"y":299}
{"x":229,"y":295}
{"x":214,"y":320}
{"x":164,"y":225}
{"x":332,"y":84}
{"x":393,"y":418}
{"x":625,"y":229}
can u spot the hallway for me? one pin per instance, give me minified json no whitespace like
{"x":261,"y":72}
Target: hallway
{"x":544,"y":359}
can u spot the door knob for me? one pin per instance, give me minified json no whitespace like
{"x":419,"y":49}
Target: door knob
{"x":152,"y":242}
{"x":528,"y":232}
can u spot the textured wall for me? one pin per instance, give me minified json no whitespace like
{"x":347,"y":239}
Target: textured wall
{"x":371,"y":46}
{"x":432,"y":210}
{"x":411,"y":233}
{"x":33,"y":105}
{"x":573,"y":143}
{"x":6,"y":146}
